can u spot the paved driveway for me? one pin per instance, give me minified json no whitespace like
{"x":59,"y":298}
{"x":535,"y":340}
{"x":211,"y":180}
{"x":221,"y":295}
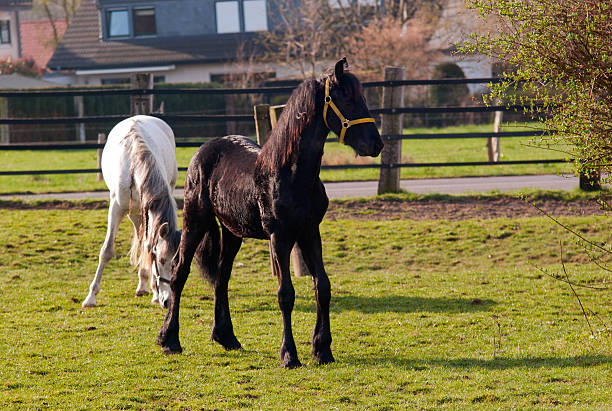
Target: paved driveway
{"x":368,"y":188}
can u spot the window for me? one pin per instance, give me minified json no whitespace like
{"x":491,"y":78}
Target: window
{"x":228,"y":18}
{"x":118,"y":80}
{"x":255,"y":15}
{"x":127,"y":22}
{"x":126,"y":80}
{"x":144,"y":21}
{"x":5,"y":32}
{"x":234,"y":16}
{"x":118,"y":23}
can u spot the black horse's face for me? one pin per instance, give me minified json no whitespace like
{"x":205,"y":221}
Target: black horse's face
{"x":346,"y":93}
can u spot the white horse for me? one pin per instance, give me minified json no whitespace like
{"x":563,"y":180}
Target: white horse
{"x":139,"y":168}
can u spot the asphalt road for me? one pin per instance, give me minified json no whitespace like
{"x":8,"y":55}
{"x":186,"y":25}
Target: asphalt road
{"x":369,"y":188}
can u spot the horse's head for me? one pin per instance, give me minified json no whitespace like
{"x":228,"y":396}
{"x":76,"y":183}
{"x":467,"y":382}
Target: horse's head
{"x":162,"y":250}
{"x":346,"y":113}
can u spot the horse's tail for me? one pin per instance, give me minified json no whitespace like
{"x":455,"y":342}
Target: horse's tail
{"x":136,"y":239}
{"x":207,"y":254}
{"x":197,"y":199}
{"x":135,"y":248}
{"x":150,"y":183}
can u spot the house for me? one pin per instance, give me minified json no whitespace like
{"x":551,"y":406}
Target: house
{"x":37,"y":39}
{"x":176,"y":40}
{"x":190,"y":41}
{"x":10,"y":40}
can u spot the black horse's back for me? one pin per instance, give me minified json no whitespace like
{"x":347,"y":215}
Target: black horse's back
{"x":221,"y":172}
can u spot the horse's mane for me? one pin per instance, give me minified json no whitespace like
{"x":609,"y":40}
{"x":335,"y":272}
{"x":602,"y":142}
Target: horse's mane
{"x":155,"y":193}
{"x":301,"y":109}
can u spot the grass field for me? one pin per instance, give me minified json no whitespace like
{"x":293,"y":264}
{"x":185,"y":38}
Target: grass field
{"x":415,"y":151}
{"x":428,"y":315}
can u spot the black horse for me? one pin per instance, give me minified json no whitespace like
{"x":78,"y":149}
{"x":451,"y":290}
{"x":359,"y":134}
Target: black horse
{"x":271,"y":193}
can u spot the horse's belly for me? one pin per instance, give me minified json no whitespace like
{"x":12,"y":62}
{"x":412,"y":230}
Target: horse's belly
{"x":242,"y":226}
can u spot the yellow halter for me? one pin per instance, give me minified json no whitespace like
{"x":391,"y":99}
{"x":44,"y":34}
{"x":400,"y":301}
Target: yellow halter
{"x":345,"y":122}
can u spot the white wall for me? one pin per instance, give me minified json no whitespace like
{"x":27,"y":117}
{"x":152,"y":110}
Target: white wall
{"x":186,"y":73}
{"x":12,"y":49}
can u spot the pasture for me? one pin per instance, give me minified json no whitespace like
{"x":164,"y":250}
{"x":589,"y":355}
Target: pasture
{"x":430,"y":314}
{"x":415,"y":151}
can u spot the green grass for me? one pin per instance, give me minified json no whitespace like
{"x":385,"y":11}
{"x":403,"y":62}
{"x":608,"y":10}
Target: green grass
{"x":417,"y":151}
{"x":415,"y":311}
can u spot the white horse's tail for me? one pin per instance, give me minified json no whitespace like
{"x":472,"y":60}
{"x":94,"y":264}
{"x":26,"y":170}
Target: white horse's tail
{"x":136,"y":246}
{"x":138,"y":165}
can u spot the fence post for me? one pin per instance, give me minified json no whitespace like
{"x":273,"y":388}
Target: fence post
{"x":141,"y":103}
{"x":389,"y":180}
{"x":4,"y":128}
{"x":493,"y":146}
{"x":263,"y":126}
{"x":80,"y":109}
{"x":262,"y":122}
{"x":101,"y":140}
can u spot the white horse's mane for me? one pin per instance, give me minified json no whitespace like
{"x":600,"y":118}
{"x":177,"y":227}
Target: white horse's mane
{"x":155,"y":193}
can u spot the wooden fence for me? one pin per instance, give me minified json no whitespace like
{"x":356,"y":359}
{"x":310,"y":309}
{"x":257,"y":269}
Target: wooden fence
{"x":141,"y":95}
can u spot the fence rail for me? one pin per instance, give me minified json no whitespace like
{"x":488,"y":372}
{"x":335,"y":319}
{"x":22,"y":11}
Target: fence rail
{"x":116,"y":118}
{"x":252,"y":90}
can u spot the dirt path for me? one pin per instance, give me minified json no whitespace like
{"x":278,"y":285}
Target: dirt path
{"x":461,"y":209}
{"x":448,"y":208}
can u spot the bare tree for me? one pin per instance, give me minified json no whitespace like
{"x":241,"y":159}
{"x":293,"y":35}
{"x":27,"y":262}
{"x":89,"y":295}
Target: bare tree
{"x":307,"y":34}
{"x":406,"y":10}
{"x":54,"y":10}
{"x":387,"y":41}
{"x":302,"y":36}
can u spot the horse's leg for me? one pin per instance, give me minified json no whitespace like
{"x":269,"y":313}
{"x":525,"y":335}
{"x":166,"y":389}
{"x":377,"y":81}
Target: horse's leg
{"x":310,"y":244}
{"x":280,"y":249}
{"x":143,"y":273}
{"x":194,"y":227}
{"x":115,"y":215}
{"x":223,"y":330}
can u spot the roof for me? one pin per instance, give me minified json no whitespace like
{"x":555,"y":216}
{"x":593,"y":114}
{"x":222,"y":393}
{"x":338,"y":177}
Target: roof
{"x":15,"y":4}
{"x":82,"y":48}
{"x":37,"y":39}
{"x":18,"y":81}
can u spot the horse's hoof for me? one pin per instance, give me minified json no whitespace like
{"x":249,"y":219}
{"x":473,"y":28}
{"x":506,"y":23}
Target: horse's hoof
{"x":229,"y":343}
{"x":168,"y":346}
{"x":89,"y":302}
{"x":324,"y":357}
{"x":289,"y":360}
{"x":289,"y":364}
{"x":172,"y":349}
{"x":169,"y":341}
{"x":141,"y":293}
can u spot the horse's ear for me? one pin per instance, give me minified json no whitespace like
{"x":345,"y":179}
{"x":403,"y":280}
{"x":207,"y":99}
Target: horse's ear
{"x":164,"y":229}
{"x":339,"y":69}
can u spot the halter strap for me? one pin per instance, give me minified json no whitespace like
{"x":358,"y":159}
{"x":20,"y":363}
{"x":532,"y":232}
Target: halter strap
{"x":343,"y":120}
{"x":158,"y":277}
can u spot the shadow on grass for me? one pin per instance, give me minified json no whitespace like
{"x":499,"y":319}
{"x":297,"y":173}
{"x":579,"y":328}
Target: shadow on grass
{"x":499,"y":363}
{"x":399,"y":304}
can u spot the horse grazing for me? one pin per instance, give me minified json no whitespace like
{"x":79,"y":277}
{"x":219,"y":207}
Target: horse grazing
{"x":271,"y":193}
{"x":139,"y":168}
